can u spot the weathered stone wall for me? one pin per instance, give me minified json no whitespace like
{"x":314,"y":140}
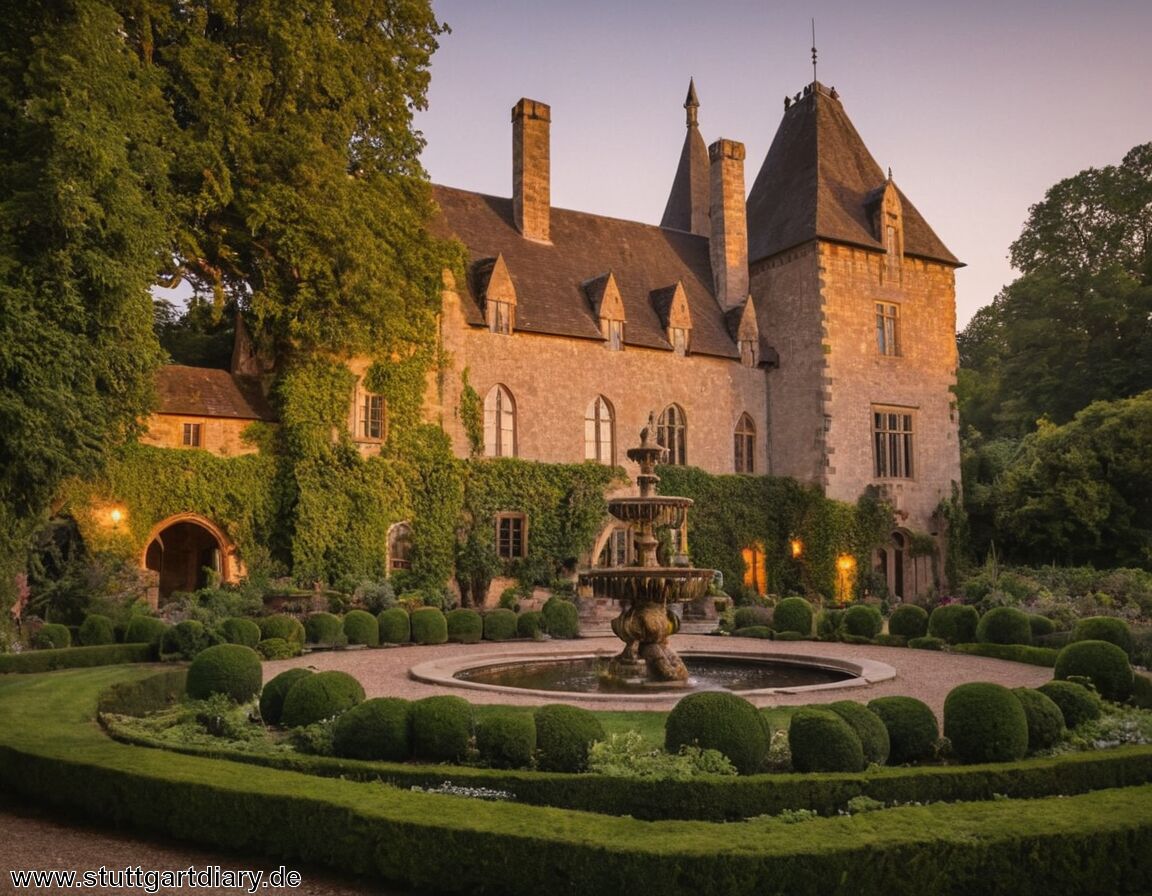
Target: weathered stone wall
{"x":220,"y":435}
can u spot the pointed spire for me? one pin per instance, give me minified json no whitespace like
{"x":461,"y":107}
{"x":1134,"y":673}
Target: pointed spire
{"x":691,"y":104}
{"x":687,"y":207}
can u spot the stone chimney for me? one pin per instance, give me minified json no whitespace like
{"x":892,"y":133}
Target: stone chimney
{"x":531,"y":169}
{"x":729,"y":223}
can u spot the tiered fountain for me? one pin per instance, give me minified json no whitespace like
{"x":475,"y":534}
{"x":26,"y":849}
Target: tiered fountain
{"x":647,"y":589}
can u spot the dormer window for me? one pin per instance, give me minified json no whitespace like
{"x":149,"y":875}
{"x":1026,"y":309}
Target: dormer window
{"x":613,"y":331}
{"x":748,"y":352}
{"x":678,"y":336}
{"x":500,"y":317}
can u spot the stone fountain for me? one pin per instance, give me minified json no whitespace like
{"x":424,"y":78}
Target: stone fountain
{"x":647,"y":589}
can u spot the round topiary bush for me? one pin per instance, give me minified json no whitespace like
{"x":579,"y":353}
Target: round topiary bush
{"x":360,"y":627}
{"x":719,"y":720}
{"x":230,"y":669}
{"x":985,"y":723}
{"x":375,"y":729}
{"x":239,"y":630}
{"x":1041,"y":626}
{"x":53,"y":636}
{"x":927,"y":643}
{"x":465,"y":626}
{"x":500,"y":625}
{"x":954,"y":623}
{"x":428,"y":626}
{"x":320,"y":696}
{"x":188,"y":638}
{"x":530,"y":624}
{"x":563,"y":735}
{"x":822,"y":741}
{"x":1045,"y":720}
{"x":561,"y":619}
{"x":96,"y":630}
{"x":1104,"y":628}
{"x":908,"y":621}
{"x":324,"y":628}
{"x":441,"y":728}
{"x":868,"y":727}
{"x":912,"y":728}
{"x":1101,"y":661}
{"x":281,"y":625}
{"x":793,"y":614}
{"x":863,"y":621}
{"x":1004,"y":625}
{"x":276,"y":689}
{"x":506,"y":740}
{"x":395,"y":628}
{"x":746,"y":617}
{"x":277,"y":649}
{"x":1077,"y":704}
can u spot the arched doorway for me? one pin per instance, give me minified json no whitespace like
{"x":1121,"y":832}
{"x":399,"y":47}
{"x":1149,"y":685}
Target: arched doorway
{"x":187,"y":551}
{"x":893,"y":566}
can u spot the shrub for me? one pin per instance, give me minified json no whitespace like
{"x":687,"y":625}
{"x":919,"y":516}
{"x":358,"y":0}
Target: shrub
{"x":1077,"y":704}
{"x":954,"y":623}
{"x":912,"y":728}
{"x":561,"y":619}
{"x":499,"y":625}
{"x":719,"y":720}
{"x":885,"y":639}
{"x":360,"y":627}
{"x":530,"y":624}
{"x":985,"y":722}
{"x":1004,"y":625}
{"x":788,"y":636}
{"x":507,"y":739}
{"x":96,"y":630}
{"x":274,"y":692}
{"x":465,"y":626}
{"x":908,"y":620}
{"x":863,"y":621}
{"x":324,"y":628}
{"x":563,"y":735}
{"x":428,"y":626}
{"x":320,"y":696}
{"x":53,"y":636}
{"x":281,"y":625}
{"x":1045,"y":720}
{"x":1101,"y":661}
{"x":239,"y":630}
{"x":441,"y":728}
{"x":395,"y":627}
{"x":746,"y":617}
{"x":1017,"y":653}
{"x":277,"y":649}
{"x":229,"y":669}
{"x":375,"y":729}
{"x":1141,"y":691}
{"x":754,"y":631}
{"x":822,"y":741}
{"x":868,"y":727}
{"x":188,"y":638}
{"x":793,"y":614}
{"x":1104,"y":628}
{"x":928,"y":643}
{"x":828,"y":624}
{"x":1041,"y":626}
{"x":74,"y":657}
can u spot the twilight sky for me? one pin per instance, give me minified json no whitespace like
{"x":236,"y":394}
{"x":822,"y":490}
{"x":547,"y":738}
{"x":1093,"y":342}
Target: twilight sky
{"x":978,"y":107}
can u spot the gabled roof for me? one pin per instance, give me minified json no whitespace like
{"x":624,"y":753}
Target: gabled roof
{"x":816,"y":182}
{"x":550,"y":280}
{"x":208,"y":392}
{"x":689,"y":199}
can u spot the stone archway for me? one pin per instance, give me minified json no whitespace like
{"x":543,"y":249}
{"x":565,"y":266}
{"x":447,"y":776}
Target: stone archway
{"x":186,"y":551}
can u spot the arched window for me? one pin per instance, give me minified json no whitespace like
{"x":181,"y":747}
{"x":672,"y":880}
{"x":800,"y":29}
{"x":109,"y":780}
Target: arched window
{"x":672,"y":433}
{"x":499,"y":423}
{"x":745,"y":445}
{"x":400,"y":546}
{"x":755,"y":567}
{"x":599,"y":432}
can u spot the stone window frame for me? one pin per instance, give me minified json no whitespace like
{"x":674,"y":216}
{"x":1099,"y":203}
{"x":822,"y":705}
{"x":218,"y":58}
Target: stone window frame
{"x":400,"y":546}
{"x":371,"y":417}
{"x":501,"y":317}
{"x":680,"y":337}
{"x":511,"y":535}
{"x":613,"y":332}
{"x":672,"y":434}
{"x":193,"y":435}
{"x":744,"y":445}
{"x":500,"y":422}
{"x":894,"y":442}
{"x":748,"y":352}
{"x":600,"y":421}
{"x":888,"y":329}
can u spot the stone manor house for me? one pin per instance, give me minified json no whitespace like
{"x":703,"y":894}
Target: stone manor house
{"x":804,"y":329}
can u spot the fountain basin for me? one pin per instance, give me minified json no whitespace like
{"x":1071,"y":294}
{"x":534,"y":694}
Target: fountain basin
{"x":649,"y":584}
{"x":659,"y":510}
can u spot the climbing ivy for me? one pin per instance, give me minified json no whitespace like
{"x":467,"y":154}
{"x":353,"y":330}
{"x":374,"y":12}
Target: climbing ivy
{"x":471,"y":415}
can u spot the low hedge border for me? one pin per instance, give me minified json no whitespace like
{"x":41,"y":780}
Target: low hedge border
{"x":1099,"y":842}
{"x":31,"y":661}
{"x":1017,"y":653}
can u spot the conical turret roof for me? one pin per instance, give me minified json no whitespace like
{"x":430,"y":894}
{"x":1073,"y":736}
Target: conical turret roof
{"x":687,"y":207}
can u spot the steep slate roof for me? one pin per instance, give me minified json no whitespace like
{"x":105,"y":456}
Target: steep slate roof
{"x":550,"y":279}
{"x":816,"y":182}
{"x":208,"y":392}
{"x":689,"y":198}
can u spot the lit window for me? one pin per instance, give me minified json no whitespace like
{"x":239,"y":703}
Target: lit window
{"x":192,"y":435}
{"x":599,"y":442}
{"x":892,"y":444}
{"x":755,"y":569}
{"x":672,"y":433}
{"x":511,"y":535}
{"x":400,"y":547}
{"x":745,"y":445}
{"x":372,"y":417}
{"x":887,"y":329}
{"x":678,"y":336}
{"x":499,"y":423}
{"x":500,"y":317}
{"x":613,"y":331}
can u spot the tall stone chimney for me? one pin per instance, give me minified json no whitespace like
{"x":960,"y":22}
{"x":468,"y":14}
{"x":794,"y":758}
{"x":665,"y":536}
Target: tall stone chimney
{"x":531,"y":169}
{"x":729,"y":223}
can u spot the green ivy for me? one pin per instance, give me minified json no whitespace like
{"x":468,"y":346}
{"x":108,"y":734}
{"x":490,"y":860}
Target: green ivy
{"x":471,"y":415}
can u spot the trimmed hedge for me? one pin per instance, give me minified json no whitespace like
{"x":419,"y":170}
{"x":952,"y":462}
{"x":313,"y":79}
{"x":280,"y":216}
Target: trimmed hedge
{"x":1017,"y":653}
{"x":277,"y":649}
{"x":720,"y":720}
{"x":441,"y":728}
{"x":281,"y":625}
{"x":230,"y":669}
{"x":563,"y":735}
{"x":1041,"y":626}
{"x":1101,"y":661}
{"x":754,"y":631}
{"x":1045,"y":720}
{"x":361,"y":627}
{"x":240,"y":630}
{"x":561,"y":618}
{"x":320,"y":696}
{"x":868,"y":727}
{"x":927,"y":643}
{"x":746,"y":617}
{"x":793,"y":614}
{"x":375,"y":729}
{"x":954,"y":623}
{"x":507,"y":739}
{"x":428,"y":626}
{"x":74,"y":658}
{"x":1104,"y":628}
{"x":465,"y":626}
{"x":530,"y":624}
{"x":909,"y":621}
{"x":186,"y":639}
{"x":52,"y":636}
{"x":985,"y":722}
{"x":275,"y":690}
{"x":1076,"y":702}
{"x":1004,"y":625}
{"x":325,"y":629}
{"x":863,"y":621}
{"x":395,"y":628}
{"x":96,"y":631}
{"x":822,"y":741}
{"x":500,"y":625}
{"x":912,"y":728}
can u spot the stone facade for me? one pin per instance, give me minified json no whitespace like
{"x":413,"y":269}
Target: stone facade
{"x":219,"y":435}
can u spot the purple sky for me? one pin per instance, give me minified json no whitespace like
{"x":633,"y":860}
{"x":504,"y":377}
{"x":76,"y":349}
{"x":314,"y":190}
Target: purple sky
{"x":978,"y":107}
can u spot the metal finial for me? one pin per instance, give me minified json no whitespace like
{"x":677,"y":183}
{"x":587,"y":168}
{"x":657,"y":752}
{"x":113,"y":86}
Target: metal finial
{"x":813,"y":51}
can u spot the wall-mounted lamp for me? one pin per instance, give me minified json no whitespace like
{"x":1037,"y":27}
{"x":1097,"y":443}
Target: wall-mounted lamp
{"x":797,"y":548}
